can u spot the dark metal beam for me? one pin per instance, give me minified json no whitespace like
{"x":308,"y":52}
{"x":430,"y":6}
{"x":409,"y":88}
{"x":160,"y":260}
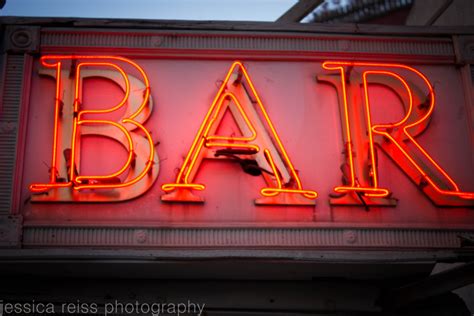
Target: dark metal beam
{"x":300,"y":10}
{"x":439,"y":12}
{"x":435,"y":284}
{"x":423,"y":15}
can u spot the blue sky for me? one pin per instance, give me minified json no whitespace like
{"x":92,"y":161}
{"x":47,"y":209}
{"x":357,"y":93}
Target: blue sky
{"x":245,"y":10}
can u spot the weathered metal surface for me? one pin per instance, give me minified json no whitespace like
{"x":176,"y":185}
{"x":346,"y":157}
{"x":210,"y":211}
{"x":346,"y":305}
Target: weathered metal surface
{"x":184,"y":67}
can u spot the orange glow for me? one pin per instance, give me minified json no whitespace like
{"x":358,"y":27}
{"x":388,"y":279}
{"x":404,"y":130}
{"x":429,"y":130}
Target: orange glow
{"x":203,"y":139}
{"x":231,"y":145}
{"x":371,"y":128}
{"x":383,"y":129}
{"x":78,"y":91}
{"x":275,"y":191}
{"x":136,"y":179}
{"x":146,"y":94}
{"x":77,"y":102}
{"x":373,"y":191}
{"x":244,"y":115}
{"x":81,"y":182}
{"x":205,"y":126}
{"x":171,"y":186}
{"x":57,"y":102}
{"x":79,"y":179}
{"x":40,"y":187}
{"x":347,"y":125}
{"x":231,"y":140}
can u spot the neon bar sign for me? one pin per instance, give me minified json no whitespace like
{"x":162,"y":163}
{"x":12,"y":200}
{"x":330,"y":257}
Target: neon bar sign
{"x":259,"y":147}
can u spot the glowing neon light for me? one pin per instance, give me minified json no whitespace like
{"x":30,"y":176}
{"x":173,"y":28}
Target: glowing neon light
{"x":374,"y":191}
{"x":78,"y":121}
{"x":146,"y":94}
{"x":147,"y":168}
{"x":383,"y":130}
{"x":40,"y":187}
{"x":203,"y":139}
{"x":283,"y":178}
{"x":231,"y":140}
{"x":369,"y":122}
{"x":57,"y":102}
{"x":79,"y":179}
{"x":225,"y":97}
{"x":103,"y":181}
{"x":230,"y":145}
{"x":275,"y":191}
{"x":78,"y":91}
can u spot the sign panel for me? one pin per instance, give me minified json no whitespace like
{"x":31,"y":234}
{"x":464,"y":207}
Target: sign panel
{"x":156,"y":138}
{"x":403,"y":96}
